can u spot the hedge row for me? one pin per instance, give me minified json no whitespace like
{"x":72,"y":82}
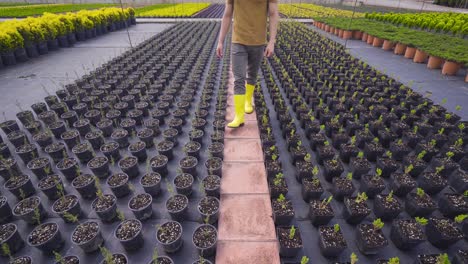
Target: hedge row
{"x":440,"y":45}
{"x":455,"y":23}
{"x":16,"y":34}
{"x":312,"y":11}
{"x":33,"y":10}
{"x":171,"y":10}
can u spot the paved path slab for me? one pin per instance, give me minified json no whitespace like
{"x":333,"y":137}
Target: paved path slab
{"x":246,"y":232}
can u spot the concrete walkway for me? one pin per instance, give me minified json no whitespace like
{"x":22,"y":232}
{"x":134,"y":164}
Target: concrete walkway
{"x":425,"y":81}
{"x":25,"y":81}
{"x":246,"y":229}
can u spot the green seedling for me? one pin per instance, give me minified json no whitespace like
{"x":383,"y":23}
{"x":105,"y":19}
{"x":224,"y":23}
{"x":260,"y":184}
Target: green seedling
{"x":441,"y":131}
{"x":460,"y":218}
{"x":37,"y":216}
{"x":360,"y":155}
{"x":169,"y":187}
{"x":58,"y":258}
{"x":278,"y":179}
{"x":292,"y":232}
{"x":421,"y":220}
{"x":389,"y":197}
{"x":394,"y":260}
{"x":354,"y":258}
{"x":97,"y":184}
{"x":378,"y":172}
{"x":6,"y":250}
{"x":308,"y":157}
{"x":378,"y":224}
{"x":449,"y":154}
{"x":422,"y":154}
{"x":420,"y":192}
{"x":389,"y":154}
{"x":465,"y":193}
{"x":458,"y":143}
{"x":120,"y":215}
{"x":325,"y":202}
{"x":304,"y":260}
{"x":69,"y":217}
{"x":443,"y":259}
{"x":315,"y":171}
{"x":274,"y":157}
{"x":326,"y":143}
{"x":106,"y":254}
{"x":282,"y":200}
{"x":409,"y":168}
{"x":349,"y":176}
{"x":461,"y":127}
{"x":155,"y":255}
{"x":361,"y":197}
{"x":336,"y":228}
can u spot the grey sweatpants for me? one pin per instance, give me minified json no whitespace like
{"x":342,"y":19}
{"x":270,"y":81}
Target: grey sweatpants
{"x":245,"y":61}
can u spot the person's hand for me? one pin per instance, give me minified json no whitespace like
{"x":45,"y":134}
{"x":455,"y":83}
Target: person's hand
{"x":269,"y":50}
{"x":219,"y":50}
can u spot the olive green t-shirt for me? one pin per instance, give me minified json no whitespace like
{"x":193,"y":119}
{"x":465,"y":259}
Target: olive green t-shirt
{"x":250,"y":21}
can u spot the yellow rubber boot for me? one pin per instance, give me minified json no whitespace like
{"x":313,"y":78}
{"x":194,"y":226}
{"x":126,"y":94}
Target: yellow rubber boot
{"x":249,"y":90}
{"x":239,"y":101}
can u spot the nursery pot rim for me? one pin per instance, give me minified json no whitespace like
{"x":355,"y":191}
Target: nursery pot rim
{"x":178,"y":237}
{"x":136,"y":234}
{"x":55,"y":233}
{"x":203,"y":225}
{"x":95,"y":235}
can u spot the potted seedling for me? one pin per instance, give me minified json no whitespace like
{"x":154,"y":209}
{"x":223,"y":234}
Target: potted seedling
{"x":110,"y":258}
{"x":86,"y":235}
{"x":151,"y":181}
{"x":46,"y":237}
{"x":105,"y":204}
{"x":84,"y":152}
{"x":10,"y":240}
{"x":138,"y":149}
{"x":157,"y":259}
{"x":66,"y":205}
{"x":408,"y":233}
{"x":211,"y":185}
{"x":70,"y":259}
{"x":214,"y":166}
{"x":84,"y":184}
{"x":463,"y":221}
{"x":402,"y":183}
{"x":442,"y":232}
{"x":278,"y":186}
{"x":69,"y":167}
{"x":370,"y":238}
{"x":432,"y":181}
{"x":441,"y":258}
{"x":321,"y":212}
{"x":343,"y":186}
{"x":30,"y":210}
{"x":387,"y":207}
{"x":20,"y":186}
{"x":99,"y":166}
{"x":41,"y":167}
{"x":128,"y":232}
{"x":188,"y":165}
{"x":208,"y":208}
{"x":56,"y":151}
{"x":290,"y":241}
{"x":141,"y":206}
{"x":360,"y":165}
{"x":205,"y":238}
{"x":183,"y":183}
{"x":5,"y":210}
{"x":169,"y":235}
{"x":453,"y":204}
{"x":129,"y":165}
{"x":119,"y":184}
{"x":373,"y":184}
{"x":419,"y":203}
{"x":331,"y":240}
{"x":216,"y":149}
{"x":177,"y":204}
{"x":159,"y":164}
{"x":356,"y":209}
{"x":283,"y":211}
{"x":333,"y":169}
{"x":110,"y":149}
{"x":165,"y":148}
{"x":311,"y":188}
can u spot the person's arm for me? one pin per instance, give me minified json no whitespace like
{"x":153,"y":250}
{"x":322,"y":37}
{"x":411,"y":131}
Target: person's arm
{"x":225,"y":24}
{"x":274,"y":19}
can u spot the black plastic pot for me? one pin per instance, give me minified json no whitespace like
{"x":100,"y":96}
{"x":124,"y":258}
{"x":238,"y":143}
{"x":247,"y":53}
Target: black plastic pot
{"x":174,"y":245}
{"x":442,"y":238}
{"x":384,"y":212}
{"x":54,"y":243}
{"x":146,"y":211}
{"x":132,"y":169}
{"x":69,"y":167}
{"x":180,"y":213}
{"x":121,"y":189}
{"x":160,"y":168}
{"x":330,"y":249}
{"x":5,"y":210}
{"x":138,"y":149}
{"x":52,"y":192}
{"x":84,"y":152}
{"x":13,"y":241}
{"x":213,"y":187}
{"x":87,"y":189}
{"x":74,"y":209}
{"x":211,"y":249}
{"x":21,"y":190}
{"x":353,"y":216}
{"x":107,"y":214}
{"x":101,"y":170}
{"x":285,"y":250}
{"x":364,"y":246}
{"x":214,"y":166}
{"x":136,"y":241}
{"x":190,"y":169}
{"x":91,"y":244}
{"x":31,"y":217}
{"x":8,"y":58}
{"x":401,"y":238}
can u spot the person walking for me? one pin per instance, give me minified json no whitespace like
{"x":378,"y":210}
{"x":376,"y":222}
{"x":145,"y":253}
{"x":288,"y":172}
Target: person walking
{"x":249,"y":45}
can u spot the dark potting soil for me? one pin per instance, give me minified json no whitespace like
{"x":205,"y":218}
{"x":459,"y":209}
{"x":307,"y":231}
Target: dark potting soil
{"x":165,"y":145}
{"x":117,"y":259}
{"x":211,"y":182}
{"x":169,"y":232}
{"x":128,"y":229}
{"x":446,"y":227}
{"x":25,"y":148}
{"x":119,"y":133}
{"x":137,"y":146}
{"x":213,"y":163}
{"x":27,"y":205}
{"x":117,"y":179}
{"x":65,"y":203}
{"x":48,"y":182}
{"x":188,"y":162}
{"x":66,"y":163}
{"x":423,"y":200}
{"x":177,"y":203}
{"x":16,"y":181}
{"x":81,"y":147}
{"x":97,"y":162}
{"x":192,"y":146}
{"x":320,"y":208}
{"x":128,"y":162}
{"x":103,"y":203}
{"x":183,"y":180}
{"x":278,"y":185}
{"x":332,"y":238}
{"x":285,"y":241}
{"x":21,"y":260}
{"x":94,"y":134}
{"x":412,"y":229}
{"x":70,"y":260}
{"x":54,"y":147}
{"x":158,"y":161}
{"x":372,"y":236}
{"x":145,"y":133}
{"x":82,"y":180}
{"x":70,"y":134}
{"x":205,"y":236}
{"x":5,"y":231}
{"x":150,"y":179}
{"x":389,"y":203}
{"x":42,"y":233}
{"x":196,"y":133}
{"x":208,"y":205}
{"x":140,"y":201}
{"x":215,"y":147}
{"x":284,"y":208}
{"x":85,"y":232}
{"x":429,"y":259}
{"x":38,"y":163}
{"x":109,"y":146}
{"x":357,"y":208}
{"x":458,"y":201}
{"x":6,"y":164}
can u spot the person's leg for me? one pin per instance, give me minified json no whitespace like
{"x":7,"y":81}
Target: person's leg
{"x":239,"y":69}
{"x":255,"y":56}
